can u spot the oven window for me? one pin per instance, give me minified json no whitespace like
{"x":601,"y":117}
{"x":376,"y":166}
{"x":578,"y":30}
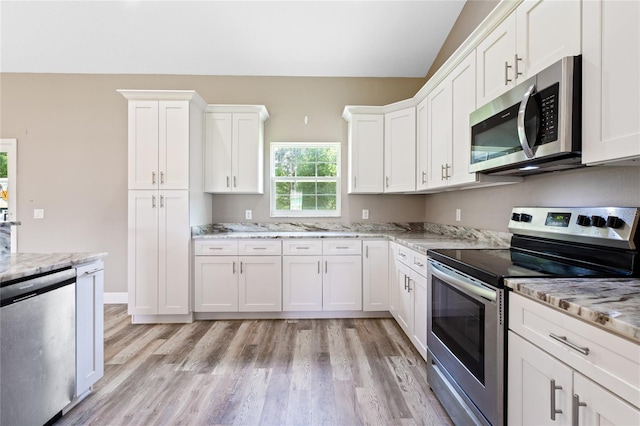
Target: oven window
{"x":458,"y":321}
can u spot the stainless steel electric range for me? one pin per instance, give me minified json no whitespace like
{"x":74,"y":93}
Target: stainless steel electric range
{"x":467,"y":305}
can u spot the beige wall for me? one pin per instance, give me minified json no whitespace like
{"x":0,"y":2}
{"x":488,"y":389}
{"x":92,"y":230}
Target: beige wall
{"x":72,"y":150}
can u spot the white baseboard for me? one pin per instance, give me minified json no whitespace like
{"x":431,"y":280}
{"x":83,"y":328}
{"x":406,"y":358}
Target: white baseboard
{"x":116,"y":298}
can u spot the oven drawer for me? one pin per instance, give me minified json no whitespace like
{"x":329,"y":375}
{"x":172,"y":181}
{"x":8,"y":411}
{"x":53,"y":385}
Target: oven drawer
{"x":610,"y":360}
{"x":216,"y":248}
{"x":300,"y":247}
{"x":259,"y":247}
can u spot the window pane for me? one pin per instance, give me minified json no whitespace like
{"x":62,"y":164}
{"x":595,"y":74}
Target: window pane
{"x":306,"y":169}
{"x":326,"y":169}
{"x":326,"y":202}
{"x":309,"y":202}
{"x":306,"y":188}
{"x":283,"y":188}
{"x":283,"y":202}
{"x":326,"y":188}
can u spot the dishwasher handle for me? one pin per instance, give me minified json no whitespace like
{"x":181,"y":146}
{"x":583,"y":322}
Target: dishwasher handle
{"x":21,"y":289}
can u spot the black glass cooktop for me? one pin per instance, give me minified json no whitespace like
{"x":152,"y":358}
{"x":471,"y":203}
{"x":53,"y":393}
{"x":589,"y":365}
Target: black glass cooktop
{"x":493,"y":265}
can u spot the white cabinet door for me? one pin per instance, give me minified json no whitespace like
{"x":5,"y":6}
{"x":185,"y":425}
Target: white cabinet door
{"x":366,"y":154}
{"x":393,"y":280}
{"x":375,"y":273}
{"x":302,"y":283}
{"x":143,"y":252}
{"x":260,"y":284}
{"x":601,"y":407}
{"x":400,"y":150}
{"x":530,"y":375}
{"x":423,"y":158}
{"x":547,"y":30}
{"x":342,"y":283}
{"x":404,"y":314}
{"x":218,"y":148}
{"x":89,"y":326}
{"x":610,"y":83}
{"x":216,"y":284}
{"x":174,"y":238}
{"x":495,"y":56}
{"x":439,"y":134}
{"x":463,"y":102}
{"x":419,"y":299}
{"x":247,"y":154}
{"x":173,"y":145}
{"x":143,"y":145}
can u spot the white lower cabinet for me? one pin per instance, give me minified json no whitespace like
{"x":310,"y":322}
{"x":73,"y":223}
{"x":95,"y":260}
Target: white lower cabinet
{"x":408,"y":297}
{"x":375,"y":272}
{"x":231,"y":282}
{"x":588,"y":376}
{"x":314,"y":281}
{"x":89,"y":326}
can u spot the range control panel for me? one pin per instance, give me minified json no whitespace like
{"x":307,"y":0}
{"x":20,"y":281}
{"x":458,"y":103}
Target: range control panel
{"x":603,"y":226}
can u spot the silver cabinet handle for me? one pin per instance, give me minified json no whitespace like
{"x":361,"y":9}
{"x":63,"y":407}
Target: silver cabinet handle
{"x":302,"y":248}
{"x":507,"y":80}
{"x":386,"y":179}
{"x":515,"y":63}
{"x":326,"y":267}
{"x":318,"y":266}
{"x":446,"y":172}
{"x":91,"y":272}
{"x":575,"y":408}
{"x":214,"y":248}
{"x":342,"y":248}
{"x":153,"y":178}
{"x":241,"y":267}
{"x":161,"y":177}
{"x":235,"y":182}
{"x":402,"y":255}
{"x":552,"y":402}
{"x":227,"y":181}
{"x":522,"y":134}
{"x":419,"y":264}
{"x":354,"y":182}
{"x":153,"y":201}
{"x":405,"y":282}
{"x":442,"y":171}
{"x":409,"y":284}
{"x":366,"y":252}
{"x":424,"y":177}
{"x":258,"y":248}
{"x":162,"y":201}
{"x":565,"y":341}
{"x":234,"y":267}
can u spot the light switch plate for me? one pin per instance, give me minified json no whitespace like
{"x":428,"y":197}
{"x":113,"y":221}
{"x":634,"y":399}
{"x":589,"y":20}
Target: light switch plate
{"x":247,"y":214}
{"x":38,"y":213}
{"x":365,"y":213}
{"x":458,"y":215}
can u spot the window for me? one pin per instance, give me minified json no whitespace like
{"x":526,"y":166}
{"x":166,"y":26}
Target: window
{"x":305,"y":179}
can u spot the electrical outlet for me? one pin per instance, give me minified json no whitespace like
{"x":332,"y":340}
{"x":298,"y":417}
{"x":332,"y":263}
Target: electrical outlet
{"x":458,"y":215}
{"x":247,"y":214}
{"x":38,"y":213}
{"x":365,"y":213}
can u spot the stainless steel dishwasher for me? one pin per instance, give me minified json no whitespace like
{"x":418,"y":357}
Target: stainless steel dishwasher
{"x":37,"y":347}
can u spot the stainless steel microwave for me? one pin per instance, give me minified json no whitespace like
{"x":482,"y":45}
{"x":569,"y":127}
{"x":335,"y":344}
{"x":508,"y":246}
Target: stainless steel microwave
{"x":534,"y":127}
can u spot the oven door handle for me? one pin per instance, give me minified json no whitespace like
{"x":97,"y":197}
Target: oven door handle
{"x":462,"y":284}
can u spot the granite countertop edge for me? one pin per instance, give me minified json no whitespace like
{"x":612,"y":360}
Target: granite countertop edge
{"x":611,"y":303}
{"x":22,"y":265}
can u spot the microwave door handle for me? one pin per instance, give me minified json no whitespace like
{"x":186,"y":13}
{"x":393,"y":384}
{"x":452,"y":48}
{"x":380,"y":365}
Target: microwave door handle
{"x":463,"y":285}
{"x":522,"y":134}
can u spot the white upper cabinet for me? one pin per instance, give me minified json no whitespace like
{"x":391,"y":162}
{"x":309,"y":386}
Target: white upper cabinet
{"x":366,"y":153}
{"x":234,"y":149}
{"x":158,"y":144}
{"x":610,"y":82}
{"x":400,"y":150}
{"x":537,"y":34}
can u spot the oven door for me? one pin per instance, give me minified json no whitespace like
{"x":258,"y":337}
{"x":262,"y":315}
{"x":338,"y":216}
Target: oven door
{"x":465,"y":337}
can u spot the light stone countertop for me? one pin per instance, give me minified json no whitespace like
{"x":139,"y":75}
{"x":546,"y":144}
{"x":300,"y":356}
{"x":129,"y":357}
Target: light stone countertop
{"x":613,"y":304}
{"x":21,"y":265}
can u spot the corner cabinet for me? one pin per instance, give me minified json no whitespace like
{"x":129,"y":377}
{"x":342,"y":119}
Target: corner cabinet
{"x":234,"y":147}
{"x":165,"y":199}
{"x":593,"y":378}
{"x":366,"y":152}
{"x":610,"y":83}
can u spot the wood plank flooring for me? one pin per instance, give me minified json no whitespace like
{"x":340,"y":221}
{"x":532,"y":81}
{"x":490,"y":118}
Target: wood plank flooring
{"x":259,"y":372}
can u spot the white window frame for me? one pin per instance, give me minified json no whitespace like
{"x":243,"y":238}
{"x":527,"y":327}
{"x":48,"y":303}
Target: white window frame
{"x":305,"y":213}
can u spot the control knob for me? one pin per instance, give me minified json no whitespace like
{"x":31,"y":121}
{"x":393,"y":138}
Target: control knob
{"x":598,"y":221}
{"x":525,"y":217}
{"x":583,"y":220}
{"x":515,"y":217}
{"x":614,"y":222}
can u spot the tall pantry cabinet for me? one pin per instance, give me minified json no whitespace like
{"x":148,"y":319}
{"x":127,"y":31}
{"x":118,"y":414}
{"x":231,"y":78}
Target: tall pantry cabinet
{"x":165,"y":198}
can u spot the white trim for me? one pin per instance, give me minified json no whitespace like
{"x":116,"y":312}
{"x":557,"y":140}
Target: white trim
{"x":116,"y":298}
{"x":10,"y":146}
{"x":290,"y":315}
{"x":162,"y":319}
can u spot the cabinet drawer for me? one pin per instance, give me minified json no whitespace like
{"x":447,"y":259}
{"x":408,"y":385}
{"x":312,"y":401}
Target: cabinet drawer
{"x":257,"y":247}
{"x":216,"y":248}
{"x":403,"y":255}
{"x":611,"y":361}
{"x":419,"y":263}
{"x":302,"y":247}
{"x":338,"y":247}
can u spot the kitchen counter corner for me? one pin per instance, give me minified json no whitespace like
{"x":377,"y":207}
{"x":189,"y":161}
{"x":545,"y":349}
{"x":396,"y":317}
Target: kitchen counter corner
{"x":21,"y":265}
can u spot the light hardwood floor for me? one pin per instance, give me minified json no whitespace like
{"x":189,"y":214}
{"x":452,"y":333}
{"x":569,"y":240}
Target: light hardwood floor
{"x":259,"y":372}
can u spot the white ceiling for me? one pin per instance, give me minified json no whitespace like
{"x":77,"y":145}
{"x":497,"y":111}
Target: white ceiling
{"x":268,"y":38}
